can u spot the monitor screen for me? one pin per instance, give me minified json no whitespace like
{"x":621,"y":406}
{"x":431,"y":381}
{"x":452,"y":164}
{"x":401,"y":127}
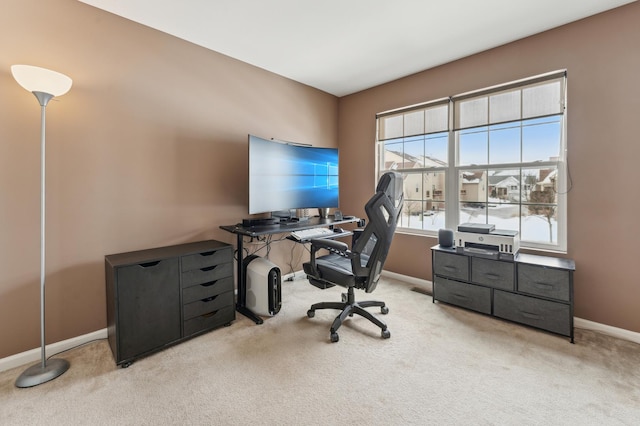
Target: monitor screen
{"x":285,"y":176}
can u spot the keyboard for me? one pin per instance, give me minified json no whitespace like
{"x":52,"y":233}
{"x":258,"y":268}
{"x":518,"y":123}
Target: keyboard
{"x":307,"y":234}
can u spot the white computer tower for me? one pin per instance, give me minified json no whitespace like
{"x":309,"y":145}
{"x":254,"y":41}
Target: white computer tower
{"x":263,"y":284}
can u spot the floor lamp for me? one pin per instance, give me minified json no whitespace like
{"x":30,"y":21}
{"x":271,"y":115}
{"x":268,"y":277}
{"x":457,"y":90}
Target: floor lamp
{"x":44,"y":84}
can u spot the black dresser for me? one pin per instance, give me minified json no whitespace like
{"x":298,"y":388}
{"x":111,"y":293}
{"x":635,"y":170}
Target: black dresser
{"x":162,"y":296}
{"x":533,"y":290}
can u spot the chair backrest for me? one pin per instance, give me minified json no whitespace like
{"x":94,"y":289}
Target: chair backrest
{"x":383,"y":211}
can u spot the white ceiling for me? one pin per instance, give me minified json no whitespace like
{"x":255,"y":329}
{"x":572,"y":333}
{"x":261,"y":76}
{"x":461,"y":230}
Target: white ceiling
{"x":344,"y":46}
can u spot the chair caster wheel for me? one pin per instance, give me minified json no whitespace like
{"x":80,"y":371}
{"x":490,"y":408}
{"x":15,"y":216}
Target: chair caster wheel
{"x":311,"y":313}
{"x":386,"y":334}
{"x":384,"y":310}
{"x":334,"y":337}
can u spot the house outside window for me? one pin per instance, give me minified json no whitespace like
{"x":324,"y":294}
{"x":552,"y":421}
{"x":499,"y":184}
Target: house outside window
{"x":495,"y":155}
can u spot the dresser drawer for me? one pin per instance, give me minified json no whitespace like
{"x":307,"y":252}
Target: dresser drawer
{"x":209,"y":320}
{"x":206,"y":290}
{"x":467,"y":296}
{"x":451,"y":265}
{"x":149,"y":273}
{"x":493,"y":273}
{"x":544,"y":314}
{"x":545,"y":282}
{"x":207,"y":274}
{"x":208,"y":305}
{"x":206,"y":259}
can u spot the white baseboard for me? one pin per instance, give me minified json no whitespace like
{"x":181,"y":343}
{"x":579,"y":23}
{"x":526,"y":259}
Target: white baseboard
{"x":34,"y":355}
{"x":619,"y":333}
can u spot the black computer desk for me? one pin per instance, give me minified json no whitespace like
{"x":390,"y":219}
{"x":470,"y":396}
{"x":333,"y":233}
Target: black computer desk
{"x":256,"y":231}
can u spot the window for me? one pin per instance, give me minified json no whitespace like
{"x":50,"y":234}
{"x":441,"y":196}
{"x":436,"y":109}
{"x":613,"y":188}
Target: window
{"x":495,"y":156}
{"x":415,"y":142}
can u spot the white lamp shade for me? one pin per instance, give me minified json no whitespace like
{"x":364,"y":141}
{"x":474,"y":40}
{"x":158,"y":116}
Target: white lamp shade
{"x":36,"y":79}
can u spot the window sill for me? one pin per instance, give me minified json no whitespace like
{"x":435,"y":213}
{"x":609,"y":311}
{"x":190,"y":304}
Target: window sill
{"x":523,"y":248}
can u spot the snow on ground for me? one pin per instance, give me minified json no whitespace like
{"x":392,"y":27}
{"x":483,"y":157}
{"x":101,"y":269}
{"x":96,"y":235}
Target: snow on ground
{"x":534,"y":227}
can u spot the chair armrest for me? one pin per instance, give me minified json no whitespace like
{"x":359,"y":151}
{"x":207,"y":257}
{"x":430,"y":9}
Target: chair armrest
{"x":333,"y":246}
{"x":329,"y":244}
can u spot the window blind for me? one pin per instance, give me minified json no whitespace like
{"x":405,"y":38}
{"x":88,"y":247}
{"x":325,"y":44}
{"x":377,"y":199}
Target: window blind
{"x":522,"y":100}
{"x":415,"y":120}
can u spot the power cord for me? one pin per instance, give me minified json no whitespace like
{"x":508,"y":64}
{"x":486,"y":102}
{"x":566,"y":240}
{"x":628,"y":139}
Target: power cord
{"x":77,"y":346}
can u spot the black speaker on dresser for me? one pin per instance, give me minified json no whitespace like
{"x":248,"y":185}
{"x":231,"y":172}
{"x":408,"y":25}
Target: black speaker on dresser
{"x":445,"y":237}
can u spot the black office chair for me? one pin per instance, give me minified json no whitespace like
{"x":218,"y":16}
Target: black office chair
{"x":361,"y":266}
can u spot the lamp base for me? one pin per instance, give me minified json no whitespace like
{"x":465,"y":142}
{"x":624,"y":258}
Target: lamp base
{"x":36,"y":374}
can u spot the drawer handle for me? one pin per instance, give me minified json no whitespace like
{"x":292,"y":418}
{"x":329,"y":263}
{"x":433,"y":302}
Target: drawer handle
{"x":209,"y":253}
{"x":492,"y":275}
{"x":530,"y":315}
{"x":209,"y":284}
{"x":461,"y":296}
{"x":543,"y":285}
{"x":149,"y":264}
{"x":209,"y":299}
{"x":209,"y":315}
{"x":208,"y":268}
{"x":450,"y":268}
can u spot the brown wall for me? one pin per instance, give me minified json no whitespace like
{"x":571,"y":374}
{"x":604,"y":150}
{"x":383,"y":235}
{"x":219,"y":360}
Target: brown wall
{"x":148,"y":148}
{"x":601,"y":57}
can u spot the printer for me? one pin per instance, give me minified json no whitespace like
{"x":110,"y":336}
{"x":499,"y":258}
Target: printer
{"x":483,"y":240}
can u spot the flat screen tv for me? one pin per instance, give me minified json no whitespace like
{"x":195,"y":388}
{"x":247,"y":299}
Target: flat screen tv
{"x":286,"y":176}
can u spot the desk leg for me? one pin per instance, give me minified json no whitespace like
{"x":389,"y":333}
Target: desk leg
{"x":241,"y":304}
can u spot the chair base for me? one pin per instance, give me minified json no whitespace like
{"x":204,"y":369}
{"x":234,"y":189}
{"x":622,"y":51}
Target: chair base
{"x":349,"y":307}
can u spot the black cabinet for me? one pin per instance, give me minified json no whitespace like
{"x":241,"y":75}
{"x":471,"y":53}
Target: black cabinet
{"x":161,"y":296}
{"x":531,"y":290}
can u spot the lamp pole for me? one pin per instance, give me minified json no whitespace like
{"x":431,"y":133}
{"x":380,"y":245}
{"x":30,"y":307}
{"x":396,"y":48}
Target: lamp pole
{"x":44,"y":84}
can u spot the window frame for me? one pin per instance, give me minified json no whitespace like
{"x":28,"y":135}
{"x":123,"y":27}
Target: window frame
{"x":452,"y":169}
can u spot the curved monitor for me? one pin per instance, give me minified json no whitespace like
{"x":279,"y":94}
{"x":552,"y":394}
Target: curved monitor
{"x":285,"y":176}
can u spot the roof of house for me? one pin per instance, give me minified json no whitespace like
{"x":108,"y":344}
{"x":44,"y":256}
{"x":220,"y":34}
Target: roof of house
{"x":502,"y":180}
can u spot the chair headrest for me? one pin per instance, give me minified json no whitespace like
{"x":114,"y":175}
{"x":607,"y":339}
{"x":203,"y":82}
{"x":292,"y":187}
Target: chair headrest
{"x":391,"y":184}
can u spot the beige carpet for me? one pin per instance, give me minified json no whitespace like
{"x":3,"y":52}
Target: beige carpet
{"x":442,"y":365}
